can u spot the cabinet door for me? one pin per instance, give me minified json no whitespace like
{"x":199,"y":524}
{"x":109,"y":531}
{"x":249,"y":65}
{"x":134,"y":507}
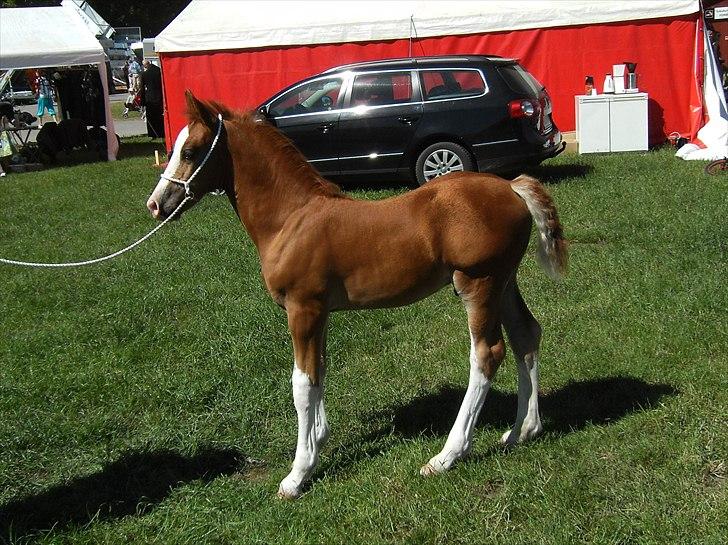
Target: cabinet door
{"x":628,"y":123}
{"x":593,"y":124}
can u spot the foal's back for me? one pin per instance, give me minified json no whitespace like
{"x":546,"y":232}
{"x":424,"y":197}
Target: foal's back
{"x":460,"y":220}
{"x":394,"y":251}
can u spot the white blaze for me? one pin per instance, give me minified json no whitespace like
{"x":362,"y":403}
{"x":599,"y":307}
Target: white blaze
{"x":172,"y":165}
{"x":175,"y":160}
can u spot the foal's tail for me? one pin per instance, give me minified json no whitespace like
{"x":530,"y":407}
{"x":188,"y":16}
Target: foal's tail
{"x":552,"y":251}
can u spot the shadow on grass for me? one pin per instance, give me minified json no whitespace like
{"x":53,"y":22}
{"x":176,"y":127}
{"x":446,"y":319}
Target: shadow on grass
{"x":555,"y":174}
{"x":568,"y":409}
{"x":137,"y":148}
{"x":571,"y":408}
{"x":133,"y":484}
{"x":128,"y":148}
{"x":75,"y":157}
{"x":546,"y":173}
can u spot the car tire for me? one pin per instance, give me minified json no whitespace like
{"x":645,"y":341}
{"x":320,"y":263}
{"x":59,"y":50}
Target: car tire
{"x":441,"y":158}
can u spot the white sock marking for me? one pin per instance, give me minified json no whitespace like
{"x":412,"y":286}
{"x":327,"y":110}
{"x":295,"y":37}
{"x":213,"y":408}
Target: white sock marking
{"x":460,"y":438}
{"x":312,"y":432}
{"x":528,"y":421}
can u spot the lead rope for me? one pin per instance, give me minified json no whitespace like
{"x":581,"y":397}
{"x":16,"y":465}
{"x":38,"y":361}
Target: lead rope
{"x":188,"y":197}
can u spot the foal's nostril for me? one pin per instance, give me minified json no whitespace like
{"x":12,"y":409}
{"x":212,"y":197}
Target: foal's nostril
{"x":153,"y":207}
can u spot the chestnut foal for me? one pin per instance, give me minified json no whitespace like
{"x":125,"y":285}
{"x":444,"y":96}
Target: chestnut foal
{"x":322,"y":251}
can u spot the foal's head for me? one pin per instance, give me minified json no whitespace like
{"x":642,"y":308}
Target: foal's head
{"x":197,"y":164}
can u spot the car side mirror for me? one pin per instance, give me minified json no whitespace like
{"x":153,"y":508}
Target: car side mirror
{"x":264,"y":111}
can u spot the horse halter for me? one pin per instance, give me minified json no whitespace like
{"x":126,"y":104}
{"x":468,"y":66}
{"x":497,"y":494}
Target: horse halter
{"x":189,"y":195}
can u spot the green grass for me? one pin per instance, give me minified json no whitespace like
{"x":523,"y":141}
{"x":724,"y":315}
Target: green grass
{"x":147,"y":399}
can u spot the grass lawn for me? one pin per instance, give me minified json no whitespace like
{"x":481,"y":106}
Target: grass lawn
{"x":147,"y":399}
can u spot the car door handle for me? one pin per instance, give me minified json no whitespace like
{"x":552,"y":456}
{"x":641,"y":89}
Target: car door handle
{"x":326,"y":127}
{"x":407,"y":120}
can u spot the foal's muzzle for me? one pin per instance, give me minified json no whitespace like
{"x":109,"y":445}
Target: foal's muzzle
{"x":165,"y":199}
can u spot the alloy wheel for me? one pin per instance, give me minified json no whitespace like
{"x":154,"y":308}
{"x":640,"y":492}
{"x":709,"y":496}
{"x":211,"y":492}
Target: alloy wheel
{"x":441,"y":161}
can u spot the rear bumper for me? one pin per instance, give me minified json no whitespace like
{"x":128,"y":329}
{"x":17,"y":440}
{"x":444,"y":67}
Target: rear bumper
{"x":519,"y":154}
{"x":558,"y":149}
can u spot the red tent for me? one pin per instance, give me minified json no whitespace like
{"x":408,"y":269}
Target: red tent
{"x":240,"y":53}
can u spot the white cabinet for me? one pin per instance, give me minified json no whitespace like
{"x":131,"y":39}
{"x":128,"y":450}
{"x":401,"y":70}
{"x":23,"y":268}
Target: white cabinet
{"x":611,"y":122}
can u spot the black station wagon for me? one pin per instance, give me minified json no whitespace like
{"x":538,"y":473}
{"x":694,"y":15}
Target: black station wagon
{"x":419,"y":117}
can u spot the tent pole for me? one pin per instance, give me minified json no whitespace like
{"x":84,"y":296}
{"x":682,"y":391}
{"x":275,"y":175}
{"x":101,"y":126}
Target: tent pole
{"x":112,"y":144}
{"x":412,"y":24}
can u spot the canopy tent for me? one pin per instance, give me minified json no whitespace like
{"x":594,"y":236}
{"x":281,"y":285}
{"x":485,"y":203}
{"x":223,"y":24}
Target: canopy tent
{"x":53,"y":37}
{"x":711,"y":141}
{"x":242,"y":52}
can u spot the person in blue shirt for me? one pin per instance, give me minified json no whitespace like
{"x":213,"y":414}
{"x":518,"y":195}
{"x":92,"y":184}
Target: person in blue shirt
{"x":135,"y":73}
{"x":45,"y":91}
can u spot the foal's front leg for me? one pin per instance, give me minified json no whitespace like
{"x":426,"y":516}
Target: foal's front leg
{"x":307,"y":324}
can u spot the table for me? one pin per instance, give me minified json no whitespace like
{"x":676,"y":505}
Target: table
{"x":20,"y":135}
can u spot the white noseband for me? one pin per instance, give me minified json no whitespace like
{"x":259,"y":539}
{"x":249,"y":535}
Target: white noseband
{"x":186,"y":183}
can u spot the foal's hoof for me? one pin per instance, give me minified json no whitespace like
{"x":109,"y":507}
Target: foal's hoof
{"x":288,"y":493}
{"x":434,"y":467}
{"x":428,"y":471}
{"x":283,"y":495}
{"x":510,"y":438}
{"x":289,"y":490}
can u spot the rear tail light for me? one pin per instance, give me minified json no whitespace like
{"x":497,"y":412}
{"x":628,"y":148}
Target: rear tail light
{"x":523,"y":108}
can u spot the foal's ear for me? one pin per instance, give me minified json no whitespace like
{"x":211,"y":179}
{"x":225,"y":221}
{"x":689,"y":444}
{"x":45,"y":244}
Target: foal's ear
{"x":199,"y":111}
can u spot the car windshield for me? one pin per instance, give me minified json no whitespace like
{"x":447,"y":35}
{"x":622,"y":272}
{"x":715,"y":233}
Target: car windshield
{"x":314,"y":96}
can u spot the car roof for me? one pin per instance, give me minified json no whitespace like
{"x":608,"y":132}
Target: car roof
{"x":418,"y":62}
{"x":442,"y":61}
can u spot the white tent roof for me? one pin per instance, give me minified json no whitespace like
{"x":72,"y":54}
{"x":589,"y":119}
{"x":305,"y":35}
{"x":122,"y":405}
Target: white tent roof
{"x":41,"y":37}
{"x":97,"y":24}
{"x":206,"y":25}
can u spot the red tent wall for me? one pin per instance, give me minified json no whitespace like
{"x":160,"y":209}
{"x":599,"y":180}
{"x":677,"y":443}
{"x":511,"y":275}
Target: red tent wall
{"x":559,"y":57}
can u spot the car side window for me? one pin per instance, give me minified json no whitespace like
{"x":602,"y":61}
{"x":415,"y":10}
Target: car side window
{"x":381,"y":89}
{"x":443,"y":84}
{"x":315,"y":96}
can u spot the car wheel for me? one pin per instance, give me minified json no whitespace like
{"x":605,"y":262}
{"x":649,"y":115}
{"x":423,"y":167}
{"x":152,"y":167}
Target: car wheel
{"x":442,"y":158}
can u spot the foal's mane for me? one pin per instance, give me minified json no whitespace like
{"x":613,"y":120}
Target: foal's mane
{"x":280,"y":153}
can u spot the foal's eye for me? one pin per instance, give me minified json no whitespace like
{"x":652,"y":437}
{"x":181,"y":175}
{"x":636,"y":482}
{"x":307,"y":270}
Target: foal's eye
{"x":187,"y":154}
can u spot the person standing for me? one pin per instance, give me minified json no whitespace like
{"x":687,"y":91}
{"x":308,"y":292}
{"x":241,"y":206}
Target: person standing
{"x":135,"y":72}
{"x":45,"y":97}
{"x":152,"y":99}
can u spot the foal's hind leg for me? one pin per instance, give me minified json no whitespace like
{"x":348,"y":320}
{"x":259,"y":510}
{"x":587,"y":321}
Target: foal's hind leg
{"x":524,"y":334}
{"x":482,"y":301}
